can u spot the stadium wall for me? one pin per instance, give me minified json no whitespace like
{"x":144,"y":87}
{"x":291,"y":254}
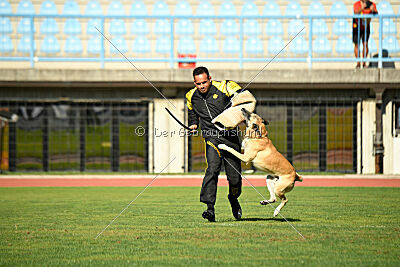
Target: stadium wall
{"x":380,"y":88}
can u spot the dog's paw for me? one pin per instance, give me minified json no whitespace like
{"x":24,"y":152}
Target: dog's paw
{"x":276,"y":212}
{"x":266,"y":202}
{"x":223,"y":147}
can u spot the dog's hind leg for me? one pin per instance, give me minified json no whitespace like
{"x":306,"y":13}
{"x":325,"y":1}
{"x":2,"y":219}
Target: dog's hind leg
{"x":271,"y":180}
{"x":282,"y":187}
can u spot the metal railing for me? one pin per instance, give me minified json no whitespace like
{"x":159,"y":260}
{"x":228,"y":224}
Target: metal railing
{"x":81,"y":135}
{"x":172,"y":58}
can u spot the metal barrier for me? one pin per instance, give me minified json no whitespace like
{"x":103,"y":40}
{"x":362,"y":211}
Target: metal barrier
{"x":313,"y":134}
{"x":249,"y":40}
{"x":76,"y":136}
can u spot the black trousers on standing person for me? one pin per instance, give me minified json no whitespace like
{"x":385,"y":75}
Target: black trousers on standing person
{"x":214,"y":158}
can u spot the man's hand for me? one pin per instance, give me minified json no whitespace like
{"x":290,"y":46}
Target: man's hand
{"x":363,"y":4}
{"x":193,"y":127}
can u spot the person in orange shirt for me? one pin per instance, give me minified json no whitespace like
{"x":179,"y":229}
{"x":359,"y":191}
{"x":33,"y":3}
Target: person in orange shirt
{"x":361,"y":27}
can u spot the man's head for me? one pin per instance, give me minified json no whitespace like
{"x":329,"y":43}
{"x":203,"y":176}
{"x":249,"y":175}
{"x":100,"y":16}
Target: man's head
{"x":202,"y":79}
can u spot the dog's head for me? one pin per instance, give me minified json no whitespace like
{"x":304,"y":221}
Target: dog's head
{"x":255,"y":125}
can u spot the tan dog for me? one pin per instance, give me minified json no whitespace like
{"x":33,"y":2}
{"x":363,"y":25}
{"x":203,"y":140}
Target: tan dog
{"x":259,"y":150}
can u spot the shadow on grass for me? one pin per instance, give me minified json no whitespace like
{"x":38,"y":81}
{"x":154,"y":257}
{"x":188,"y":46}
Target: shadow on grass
{"x":270,"y":219}
{"x":261,"y":219}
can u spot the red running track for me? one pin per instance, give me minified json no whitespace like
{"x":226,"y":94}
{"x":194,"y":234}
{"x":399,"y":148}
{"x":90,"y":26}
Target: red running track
{"x":76,"y":182}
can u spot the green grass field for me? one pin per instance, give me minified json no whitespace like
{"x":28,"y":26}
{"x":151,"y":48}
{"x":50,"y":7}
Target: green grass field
{"x":58,"y":226}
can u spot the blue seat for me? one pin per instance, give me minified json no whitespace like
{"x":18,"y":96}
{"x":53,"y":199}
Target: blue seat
{"x":249,"y":9}
{"x":162,"y":27}
{"x":138,"y":8}
{"x":316,"y":9}
{"x":24,"y":26}
{"x":231,"y":45}
{"x":94,"y":45}
{"x":342,"y":27}
{"x":299,"y":46}
{"x":71,"y":8}
{"x":50,"y":45}
{"x":117,"y":27}
{"x":207,"y":27}
{"x":274,"y":27}
{"x":391,"y":44}
{"x":48,"y":8}
{"x":254,"y":45}
{"x":119,"y":43}
{"x":5,"y":25}
{"x":271,"y":9}
{"x":319,"y":27}
{"x":338,"y":8}
{"x":6,"y":45}
{"x":183,"y":8}
{"x":139,"y":27}
{"x":141,"y":45}
{"x":49,"y":26}
{"x":72,"y":26}
{"x":92,"y":25}
{"x":73,"y":45}
{"x":275,"y":44}
{"x":163,"y":45}
{"x":227,"y":9}
{"x":389,"y":27}
{"x":184,"y":27}
{"x":321,"y":45}
{"x":160,"y":8}
{"x":186,"y":45}
{"x":209,"y":45}
{"x":115,"y":8}
{"x":25,"y":7}
{"x":293,"y":9}
{"x":5,"y":7}
{"x":295,"y":26}
{"x":24,"y":44}
{"x":229,"y":27}
{"x":251,"y":27}
{"x":385,"y":8}
{"x":205,"y":8}
{"x":93,"y":8}
{"x":344,"y":45}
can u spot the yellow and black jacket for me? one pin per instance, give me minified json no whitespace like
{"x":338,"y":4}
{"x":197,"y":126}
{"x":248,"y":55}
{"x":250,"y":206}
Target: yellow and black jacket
{"x":204,"y":108}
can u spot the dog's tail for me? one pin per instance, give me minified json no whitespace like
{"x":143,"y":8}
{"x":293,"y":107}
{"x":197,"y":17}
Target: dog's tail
{"x":298,"y":178}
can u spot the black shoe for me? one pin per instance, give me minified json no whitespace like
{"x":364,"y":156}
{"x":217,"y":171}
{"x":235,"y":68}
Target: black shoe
{"x":236,"y":209}
{"x":209,"y":215}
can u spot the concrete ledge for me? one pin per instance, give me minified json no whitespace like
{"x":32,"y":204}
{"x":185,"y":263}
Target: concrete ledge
{"x":133,"y":78}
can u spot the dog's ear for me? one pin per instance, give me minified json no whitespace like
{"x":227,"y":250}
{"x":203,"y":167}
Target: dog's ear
{"x":265,"y":122}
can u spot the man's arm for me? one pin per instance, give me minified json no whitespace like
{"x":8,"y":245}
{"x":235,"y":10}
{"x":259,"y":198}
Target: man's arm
{"x":232,"y":88}
{"x":357,"y":8}
{"x":193,"y":118}
{"x":373,"y":8}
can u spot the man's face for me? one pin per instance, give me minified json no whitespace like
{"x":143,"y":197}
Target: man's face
{"x":202,"y":82}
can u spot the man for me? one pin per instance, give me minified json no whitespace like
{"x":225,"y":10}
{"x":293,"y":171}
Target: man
{"x":206,"y":101}
{"x":361,"y":27}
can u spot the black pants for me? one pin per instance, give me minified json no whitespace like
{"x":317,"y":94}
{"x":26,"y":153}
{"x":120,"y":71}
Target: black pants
{"x":214,"y":157}
{"x":361,"y":35}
